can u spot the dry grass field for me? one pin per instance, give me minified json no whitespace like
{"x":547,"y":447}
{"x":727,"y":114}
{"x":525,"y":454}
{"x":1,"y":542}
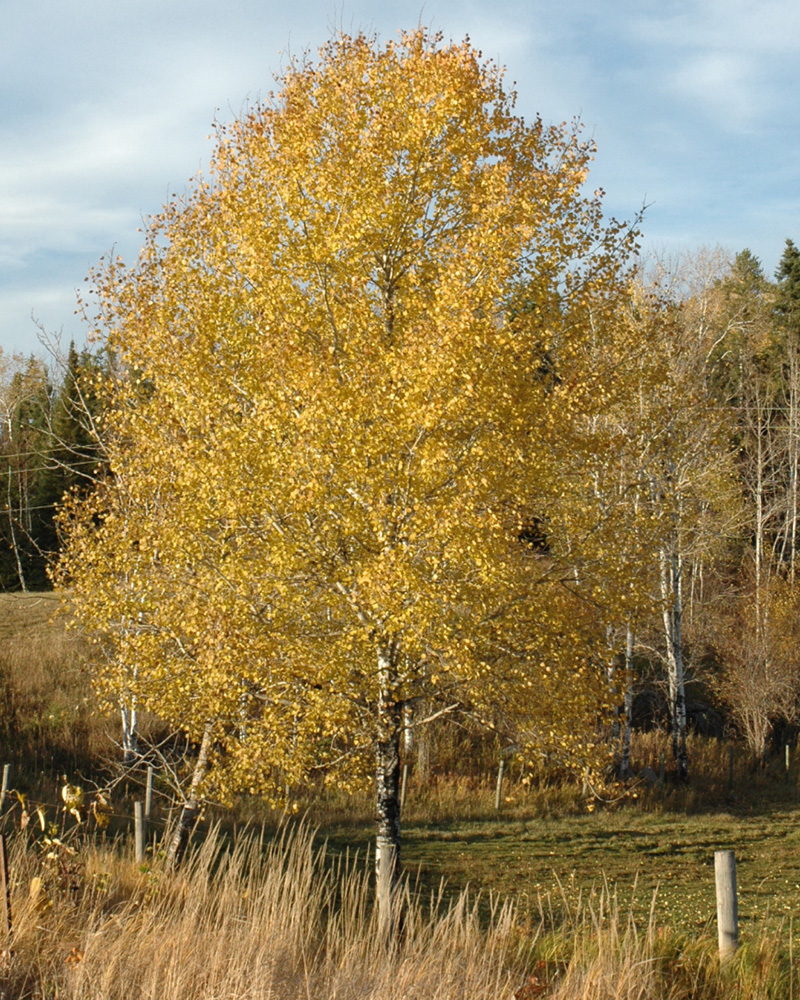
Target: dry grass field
{"x":47,"y":719}
{"x":545,"y":899}
{"x":279,"y":921}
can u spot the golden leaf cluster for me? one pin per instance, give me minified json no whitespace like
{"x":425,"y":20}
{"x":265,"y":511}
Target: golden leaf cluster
{"x":384,"y":337}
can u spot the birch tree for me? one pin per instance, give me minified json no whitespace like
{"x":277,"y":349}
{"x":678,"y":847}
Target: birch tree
{"x":336,"y":425}
{"x":758,"y":378}
{"x":691,"y":484}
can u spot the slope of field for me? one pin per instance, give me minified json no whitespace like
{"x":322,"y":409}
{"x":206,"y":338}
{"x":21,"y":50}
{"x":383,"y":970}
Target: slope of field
{"x":48,"y":720}
{"x":25,"y":617}
{"x":555,"y":863}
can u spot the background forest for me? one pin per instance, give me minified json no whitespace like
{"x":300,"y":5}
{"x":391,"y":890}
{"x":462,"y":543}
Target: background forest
{"x":49,"y":447}
{"x":733,"y":364}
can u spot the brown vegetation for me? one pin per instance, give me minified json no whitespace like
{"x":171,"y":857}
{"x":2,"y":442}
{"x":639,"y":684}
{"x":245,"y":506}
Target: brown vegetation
{"x":291,"y":921}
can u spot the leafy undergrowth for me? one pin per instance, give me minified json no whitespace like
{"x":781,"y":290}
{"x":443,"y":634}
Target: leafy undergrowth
{"x":283,"y":922}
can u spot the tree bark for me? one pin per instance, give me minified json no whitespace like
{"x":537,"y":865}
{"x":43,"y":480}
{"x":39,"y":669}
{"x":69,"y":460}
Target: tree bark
{"x":408,"y":748}
{"x":191,"y":804}
{"x":14,"y":543}
{"x":387,"y":791}
{"x":794,"y":456}
{"x":130,"y":736}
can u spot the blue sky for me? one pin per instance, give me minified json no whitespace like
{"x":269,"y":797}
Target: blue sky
{"x":106,"y":108}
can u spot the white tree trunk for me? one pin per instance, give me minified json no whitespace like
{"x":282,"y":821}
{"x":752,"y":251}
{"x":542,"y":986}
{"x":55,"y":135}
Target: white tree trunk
{"x":625,"y":755}
{"x":12,"y":530}
{"x":673,"y":611}
{"x":387,"y":791}
{"x":130,"y":736}
{"x":191,"y":804}
{"x":794,"y":456}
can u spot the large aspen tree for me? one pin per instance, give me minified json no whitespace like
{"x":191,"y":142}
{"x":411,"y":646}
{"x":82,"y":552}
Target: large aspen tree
{"x":336,"y":422}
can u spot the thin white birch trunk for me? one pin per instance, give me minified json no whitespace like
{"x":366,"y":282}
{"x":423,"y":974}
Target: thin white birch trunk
{"x":759,"y":515}
{"x":625,"y":755}
{"x":387,"y":791}
{"x":408,"y":748}
{"x":672,"y":614}
{"x":191,"y":805}
{"x":794,"y":448}
{"x":12,"y":531}
{"x":130,"y":735}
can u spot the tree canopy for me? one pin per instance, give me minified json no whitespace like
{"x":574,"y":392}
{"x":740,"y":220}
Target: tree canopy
{"x":356,"y":367}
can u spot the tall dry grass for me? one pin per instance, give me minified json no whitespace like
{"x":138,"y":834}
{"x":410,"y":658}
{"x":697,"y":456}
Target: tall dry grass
{"x":601,"y":951}
{"x":274,"y":923}
{"x":48,"y":720}
{"x":285,"y":920}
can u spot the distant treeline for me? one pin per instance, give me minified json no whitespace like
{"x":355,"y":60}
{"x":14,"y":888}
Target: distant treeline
{"x":48,"y":447}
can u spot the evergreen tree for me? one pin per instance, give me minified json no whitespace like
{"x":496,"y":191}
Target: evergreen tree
{"x":27,"y":503}
{"x":788,"y":275}
{"x":48,"y":446}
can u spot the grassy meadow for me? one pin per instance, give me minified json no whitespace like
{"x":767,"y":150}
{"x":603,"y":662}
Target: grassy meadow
{"x":543,"y":899}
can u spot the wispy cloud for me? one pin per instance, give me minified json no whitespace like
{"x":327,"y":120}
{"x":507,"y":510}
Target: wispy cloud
{"x":694,"y":104}
{"x":728,"y":61}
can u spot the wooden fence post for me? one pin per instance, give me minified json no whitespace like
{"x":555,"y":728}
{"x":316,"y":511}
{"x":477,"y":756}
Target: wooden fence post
{"x":499,"y":790}
{"x":786,"y":752}
{"x":139,"y":826}
{"x":5,"y":891}
{"x":404,"y":786}
{"x":727,"y":903}
{"x":4,"y":787}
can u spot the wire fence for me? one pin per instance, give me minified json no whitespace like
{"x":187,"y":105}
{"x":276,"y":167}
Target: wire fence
{"x":99,"y":807}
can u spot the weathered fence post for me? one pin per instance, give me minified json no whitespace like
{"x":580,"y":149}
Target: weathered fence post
{"x":727,"y":903}
{"x":499,"y":790}
{"x":4,"y":787}
{"x":139,"y":827}
{"x":404,"y":785}
{"x":5,"y":891}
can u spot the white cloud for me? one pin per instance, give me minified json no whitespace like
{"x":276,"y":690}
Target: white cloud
{"x":729,"y":60}
{"x":723,"y":83}
{"x":751,"y":26}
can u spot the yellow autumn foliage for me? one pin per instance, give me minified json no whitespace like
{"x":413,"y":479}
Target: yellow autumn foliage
{"x":353,"y":365}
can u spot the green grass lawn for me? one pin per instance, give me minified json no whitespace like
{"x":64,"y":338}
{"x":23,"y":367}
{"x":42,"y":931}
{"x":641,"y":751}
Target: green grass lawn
{"x":551,"y":862}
